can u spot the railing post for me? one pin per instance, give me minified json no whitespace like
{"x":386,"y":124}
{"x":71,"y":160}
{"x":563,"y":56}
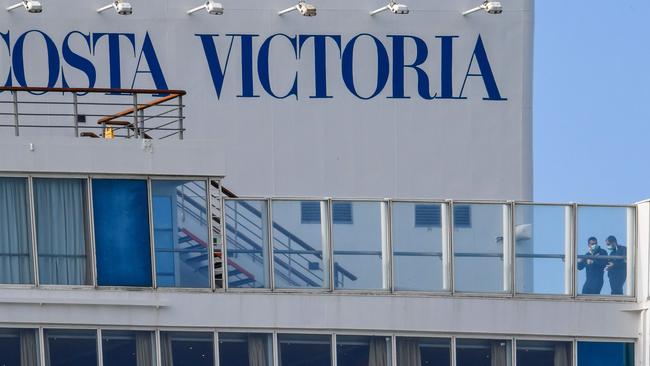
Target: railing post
{"x":180,"y":117}
{"x":75,"y":112}
{"x":15,"y":101}
{"x":136,"y":133}
{"x":142,"y":130}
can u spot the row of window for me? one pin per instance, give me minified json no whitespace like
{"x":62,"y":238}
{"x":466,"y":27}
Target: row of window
{"x":168,"y":233}
{"x":20,"y":347}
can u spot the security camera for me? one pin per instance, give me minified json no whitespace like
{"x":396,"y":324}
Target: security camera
{"x":491,"y":7}
{"x":305,"y":9}
{"x":210,"y":6}
{"x":32,"y":6}
{"x":394,"y":7}
{"x":121,"y":7}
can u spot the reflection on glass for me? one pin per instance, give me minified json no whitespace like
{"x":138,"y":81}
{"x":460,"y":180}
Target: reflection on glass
{"x":247,"y":243}
{"x":604,"y":250}
{"x":478,"y":249}
{"x":363,"y":350}
{"x":605,"y":354}
{"x":423,"y":351}
{"x":544,"y":353}
{"x":483,"y":352}
{"x":62,"y":231}
{"x":18,"y":347}
{"x":122,"y":245}
{"x":15,"y":241}
{"x":359,"y":246}
{"x":304,"y":350}
{"x":127,"y":348}
{"x":298,"y":237}
{"x":70,"y":347}
{"x":186,"y":349}
{"x":542,"y":239}
{"x":181,"y":233}
{"x":418,"y":246}
{"x":245,"y":349}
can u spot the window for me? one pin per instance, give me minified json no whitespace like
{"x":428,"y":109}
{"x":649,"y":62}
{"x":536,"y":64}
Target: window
{"x":428,"y":215}
{"x":186,"y":349}
{"x":15,"y":234}
{"x":463,"y":216}
{"x":245,"y":349}
{"x":362,"y":350}
{"x":544,"y":353}
{"x":127,"y":348}
{"x":342,"y":212}
{"x":181,"y":233}
{"x":121,"y":217}
{"x":62,"y":231}
{"x":423,"y":351}
{"x":605,"y":354}
{"x":18,"y":347}
{"x":60,"y":343}
{"x":310,"y":212}
{"x":304,"y":350}
{"x":483,"y":352}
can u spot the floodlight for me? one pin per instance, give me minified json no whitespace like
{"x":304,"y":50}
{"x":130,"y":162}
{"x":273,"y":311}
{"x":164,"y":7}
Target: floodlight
{"x":32,"y":6}
{"x":394,"y":7}
{"x":121,"y":7}
{"x":210,"y":6}
{"x":305,"y":9}
{"x":491,"y":7}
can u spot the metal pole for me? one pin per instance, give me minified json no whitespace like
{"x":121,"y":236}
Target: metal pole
{"x":142,"y":133}
{"x":15,"y":101}
{"x":136,"y":133}
{"x":180,"y":117}
{"x":76,"y":114}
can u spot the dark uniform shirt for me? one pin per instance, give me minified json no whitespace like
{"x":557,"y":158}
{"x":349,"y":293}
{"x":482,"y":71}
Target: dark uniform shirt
{"x":595,"y":271}
{"x":617,"y":272}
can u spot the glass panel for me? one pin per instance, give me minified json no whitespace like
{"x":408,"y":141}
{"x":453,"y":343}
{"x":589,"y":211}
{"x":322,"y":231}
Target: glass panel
{"x":423,"y":351}
{"x":15,"y":234}
{"x":216,"y":227}
{"x":478,"y":250}
{"x":605,"y":354}
{"x":247,"y":244}
{"x":542,"y":239}
{"x":121,"y":217}
{"x":245,"y":349}
{"x":358,"y":254}
{"x":127,"y":348}
{"x":181,"y":233}
{"x":363,"y":350}
{"x":417,"y":246}
{"x":483,"y":352}
{"x":70,"y":347}
{"x":544,"y":353}
{"x":605,"y":246}
{"x":186,"y":349}
{"x":62,"y":231}
{"x":304,"y":350}
{"x":300,"y":261}
{"x":18,"y":347}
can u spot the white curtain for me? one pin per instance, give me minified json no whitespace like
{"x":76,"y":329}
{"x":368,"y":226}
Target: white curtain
{"x":28,"y":354}
{"x":166,"y":354}
{"x":143,"y":349}
{"x":408,"y":352}
{"x":499,"y":354}
{"x":378,"y":352}
{"x":61,"y":231}
{"x":257,"y":350}
{"x":562,"y":355}
{"x":15,"y":243}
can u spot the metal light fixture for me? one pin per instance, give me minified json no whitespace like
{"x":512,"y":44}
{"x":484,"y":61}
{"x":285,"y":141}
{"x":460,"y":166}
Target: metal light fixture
{"x":121,"y":7}
{"x":305,"y":9}
{"x":32,"y":6}
{"x":394,"y":7}
{"x":491,"y":7}
{"x":210,"y":6}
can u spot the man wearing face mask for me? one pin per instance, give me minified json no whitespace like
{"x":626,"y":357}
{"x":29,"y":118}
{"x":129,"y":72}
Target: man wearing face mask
{"x":594,"y":266}
{"x":617,"y":267}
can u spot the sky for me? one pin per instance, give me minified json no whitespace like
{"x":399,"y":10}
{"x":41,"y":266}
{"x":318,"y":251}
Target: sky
{"x":591,"y":114}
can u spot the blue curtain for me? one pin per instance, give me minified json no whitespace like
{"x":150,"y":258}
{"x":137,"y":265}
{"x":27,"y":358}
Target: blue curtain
{"x":15,"y":241}
{"x":61,"y":217}
{"x":121,"y":218}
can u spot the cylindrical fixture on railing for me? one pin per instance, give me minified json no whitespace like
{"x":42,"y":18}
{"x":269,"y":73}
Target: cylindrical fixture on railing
{"x":180,"y":117}
{"x":136,"y":133}
{"x":75,"y":112}
{"x":14,"y":94}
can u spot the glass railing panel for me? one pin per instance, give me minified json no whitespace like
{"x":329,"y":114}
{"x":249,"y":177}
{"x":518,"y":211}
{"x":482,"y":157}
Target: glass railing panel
{"x":354,"y":350}
{"x":480,"y":234}
{"x":299,"y":237}
{"x":19,"y":347}
{"x":245,"y":349}
{"x":304,"y":350}
{"x":542,"y":241}
{"x":422,"y":351}
{"x":128,"y":348}
{"x":16,"y":265}
{"x":605,"y":245}
{"x":247,"y":243}
{"x":359,"y":241}
{"x":71,"y":347}
{"x":180,"y":229}
{"x":418,"y":246}
{"x":541,"y":353}
{"x":483,"y":352}
{"x":186,"y":348}
{"x":605,"y":354}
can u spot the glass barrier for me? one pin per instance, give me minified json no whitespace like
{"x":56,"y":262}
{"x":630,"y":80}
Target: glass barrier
{"x":60,"y":343}
{"x":128,"y":348}
{"x":483,"y":352}
{"x":16,"y":265}
{"x":245,"y":349}
{"x":535,"y":353}
{"x":604,"y":256}
{"x":359,"y":240}
{"x":181,"y":233}
{"x":479,"y":243}
{"x":186,"y":348}
{"x":304,"y":350}
{"x":299,"y":237}
{"x":247,"y":243}
{"x":418,"y":246}
{"x":605,"y":354}
{"x":423,"y":351}
{"x":542,"y":241}
{"x":18,"y":347}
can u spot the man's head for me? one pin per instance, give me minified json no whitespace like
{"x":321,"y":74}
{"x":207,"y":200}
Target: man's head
{"x":611,"y":241}
{"x":592,"y":242}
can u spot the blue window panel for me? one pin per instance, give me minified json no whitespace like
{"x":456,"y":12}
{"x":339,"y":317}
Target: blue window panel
{"x":605,"y":354}
{"x":342,"y":212}
{"x":122,"y":238}
{"x":427,"y":215}
{"x":463,"y":216}
{"x":15,"y":234}
{"x":17,"y":345}
{"x":310,"y":212}
{"x":71,"y":347}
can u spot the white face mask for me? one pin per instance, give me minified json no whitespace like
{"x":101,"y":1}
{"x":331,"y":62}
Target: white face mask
{"x":593,"y":247}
